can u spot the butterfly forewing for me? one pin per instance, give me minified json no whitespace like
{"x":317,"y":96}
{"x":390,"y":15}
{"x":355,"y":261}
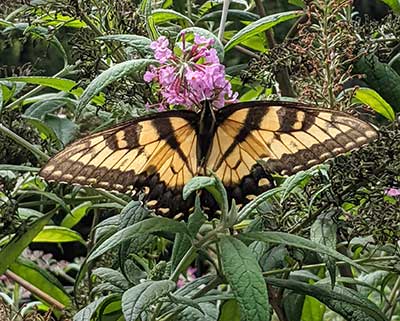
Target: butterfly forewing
{"x":157,"y":152}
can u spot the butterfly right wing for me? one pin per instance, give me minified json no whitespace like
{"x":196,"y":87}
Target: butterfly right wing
{"x":255,"y":139}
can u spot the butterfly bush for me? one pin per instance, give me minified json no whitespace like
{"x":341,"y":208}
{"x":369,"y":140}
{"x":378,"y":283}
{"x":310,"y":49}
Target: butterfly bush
{"x":192,"y":76}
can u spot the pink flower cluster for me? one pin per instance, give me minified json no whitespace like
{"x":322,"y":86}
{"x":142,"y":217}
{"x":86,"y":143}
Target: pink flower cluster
{"x":394,"y":192}
{"x":192,"y":76}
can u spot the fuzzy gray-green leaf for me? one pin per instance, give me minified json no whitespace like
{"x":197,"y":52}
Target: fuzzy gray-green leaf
{"x":244,"y":275}
{"x":137,"y":299}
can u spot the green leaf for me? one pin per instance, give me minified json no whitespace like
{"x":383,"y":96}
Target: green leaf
{"x":299,"y":3}
{"x":137,"y":299}
{"x":140,"y":43}
{"x":65,"y":85}
{"x":77,"y":213}
{"x":233,"y":15}
{"x":44,"y":130}
{"x":65,"y":129}
{"x":112,"y":276}
{"x":299,"y":242}
{"x":394,"y":5}
{"x":261,"y":25}
{"x":197,"y":183}
{"x":208,"y":312}
{"x":150,"y":225}
{"x":207,"y":34}
{"x":313,"y":310}
{"x":41,"y":278}
{"x":323,"y":231}
{"x":167,"y":15}
{"x":40,"y":109}
{"x":348,"y":303}
{"x":230,"y":311}
{"x":244,"y":275}
{"x":112,"y":74}
{"x":371,"y":98}
{"x":58,"y":234}
{"x":91,"y":310}
{"x":25,"y":213}
{"x":380,"y":77}
{"x":19,"y":242}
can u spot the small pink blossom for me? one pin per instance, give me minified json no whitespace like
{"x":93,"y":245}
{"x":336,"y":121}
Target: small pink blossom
{"x":393,"y":192}
{"x":190,"y":276}
{"x":191,"y":77}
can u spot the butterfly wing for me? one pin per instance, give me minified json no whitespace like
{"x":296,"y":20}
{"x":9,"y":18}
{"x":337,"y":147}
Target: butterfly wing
{"x":156,"y":151}
{"x":256,"y":138}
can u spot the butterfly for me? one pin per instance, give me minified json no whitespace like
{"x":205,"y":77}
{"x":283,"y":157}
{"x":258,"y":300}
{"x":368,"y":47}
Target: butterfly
{"x":241,"y":143}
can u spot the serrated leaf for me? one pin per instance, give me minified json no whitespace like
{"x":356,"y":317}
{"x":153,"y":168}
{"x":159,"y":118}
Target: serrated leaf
{"x":77,"y":213}
{"x":19,"y":242}
{"x":42,"y":279}
{"x":137,"y":299}
{"x":58,"y":234}
{"x":244,"y":275}
{"x":261,"y":25}
{"x":110,"y":75}
{"x":371,"y":98}
{"x":150,"y":225}
{"x":299,"y":242}
{"x":348,"y":303}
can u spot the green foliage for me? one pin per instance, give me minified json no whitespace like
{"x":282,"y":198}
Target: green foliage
{"x":322,"y":241}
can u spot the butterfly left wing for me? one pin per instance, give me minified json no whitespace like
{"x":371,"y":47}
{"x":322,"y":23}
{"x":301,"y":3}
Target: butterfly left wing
{"x":156,"y":151}
{"x":255,"y":139}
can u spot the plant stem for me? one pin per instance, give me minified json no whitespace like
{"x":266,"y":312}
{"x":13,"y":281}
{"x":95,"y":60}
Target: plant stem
{"x":319,"y":265}
{"x":392,"y":301}
{"x":23,"y":142}
{"x":224,"y":15}
{"x":112,"y":197}
{"x":31,"y":288}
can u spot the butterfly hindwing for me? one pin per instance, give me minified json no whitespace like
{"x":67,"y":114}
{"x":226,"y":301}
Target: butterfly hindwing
{"x":153,"y":151}
{"x":280,"y":137}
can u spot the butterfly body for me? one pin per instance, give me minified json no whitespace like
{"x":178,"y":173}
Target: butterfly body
{"x":242,"y":143}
